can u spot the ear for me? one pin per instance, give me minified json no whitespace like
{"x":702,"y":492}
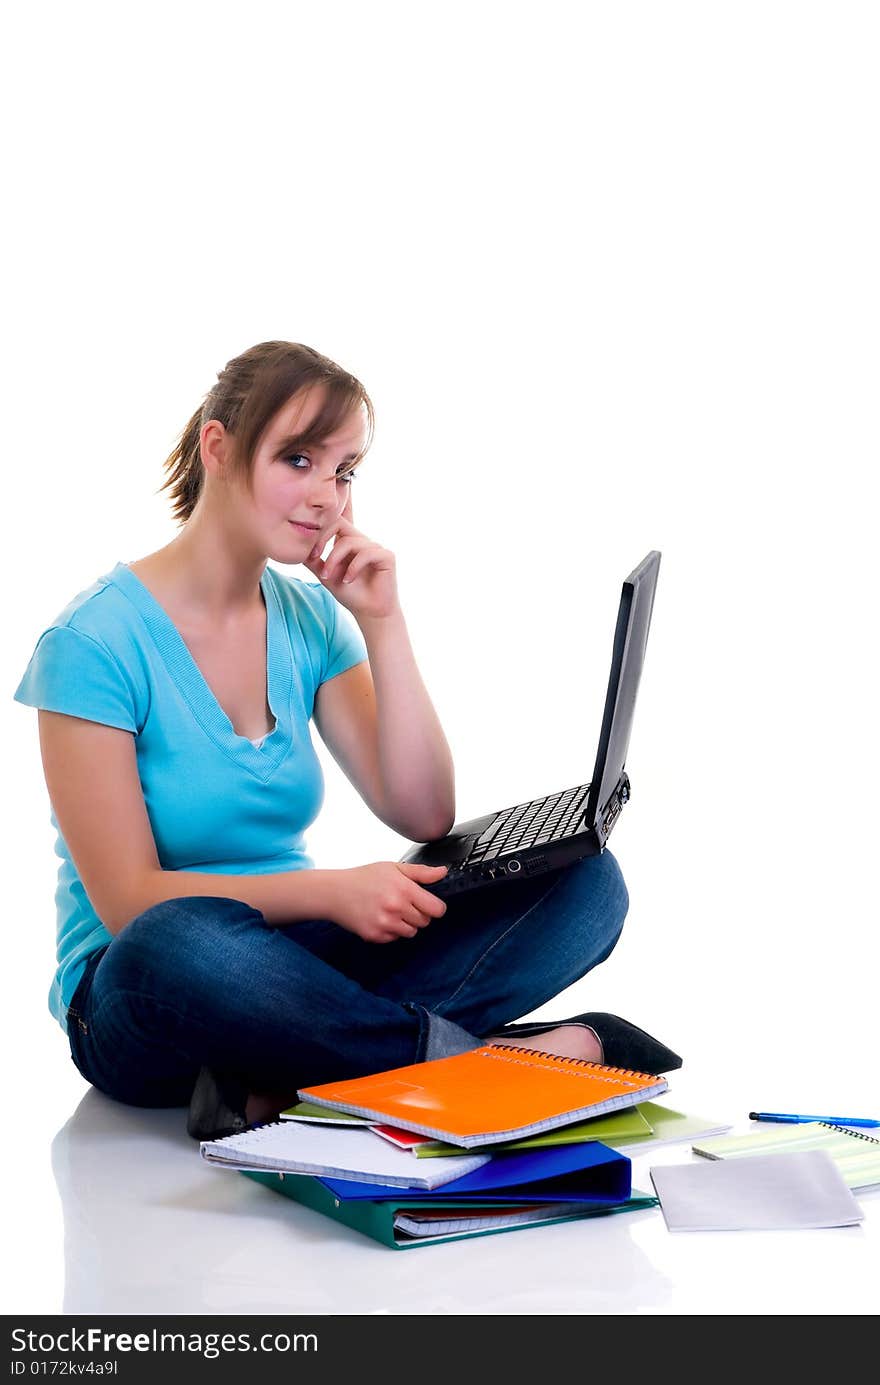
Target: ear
{"x":215,"y":443}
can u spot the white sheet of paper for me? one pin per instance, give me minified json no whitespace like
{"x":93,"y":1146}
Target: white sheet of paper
{"x":803,"y":1190}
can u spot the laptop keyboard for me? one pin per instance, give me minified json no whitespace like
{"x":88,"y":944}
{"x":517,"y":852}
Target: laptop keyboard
{"x":535,"y":823}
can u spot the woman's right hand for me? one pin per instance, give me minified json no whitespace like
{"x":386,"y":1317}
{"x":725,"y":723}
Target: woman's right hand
{"x":384,"y":901}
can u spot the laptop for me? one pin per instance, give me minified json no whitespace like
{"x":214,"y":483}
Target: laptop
{"x":560,"y":828}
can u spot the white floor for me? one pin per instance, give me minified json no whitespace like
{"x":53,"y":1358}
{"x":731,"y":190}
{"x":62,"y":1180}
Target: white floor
{"x":114,"y":1212}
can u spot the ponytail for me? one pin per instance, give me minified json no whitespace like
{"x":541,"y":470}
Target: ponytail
{"x":185,"y":470}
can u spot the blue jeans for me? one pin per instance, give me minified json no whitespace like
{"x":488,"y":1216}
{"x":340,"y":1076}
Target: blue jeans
{"x":205,"y":980}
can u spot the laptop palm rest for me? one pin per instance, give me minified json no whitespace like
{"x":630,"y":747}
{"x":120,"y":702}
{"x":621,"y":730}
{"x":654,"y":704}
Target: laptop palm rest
{"x":446,"y":852}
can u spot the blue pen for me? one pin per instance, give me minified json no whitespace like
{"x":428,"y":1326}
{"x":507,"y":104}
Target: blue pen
{"x":803,"y":1120}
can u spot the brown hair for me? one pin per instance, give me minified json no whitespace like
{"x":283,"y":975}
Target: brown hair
{"x":250,"y":390}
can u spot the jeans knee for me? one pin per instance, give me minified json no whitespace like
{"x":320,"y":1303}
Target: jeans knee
{"x":179,"y":936}
{"x":615,"y":885}
{"x":186,"y":908}
{"x":605,"y":898}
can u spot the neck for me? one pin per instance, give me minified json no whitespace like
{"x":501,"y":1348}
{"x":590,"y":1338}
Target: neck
{"x":214,"y":569}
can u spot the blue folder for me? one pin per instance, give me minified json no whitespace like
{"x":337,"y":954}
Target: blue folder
{"x":589,"y":1172}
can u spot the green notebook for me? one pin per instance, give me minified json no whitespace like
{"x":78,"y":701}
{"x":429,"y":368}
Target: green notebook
{"x":621,"y":1125}
{"x":667,"y":1127}
{"x":856,"y":1155}
{"x":380,"y":1220}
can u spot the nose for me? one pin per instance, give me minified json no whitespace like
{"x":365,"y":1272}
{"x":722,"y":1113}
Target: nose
{"x":322,"y":493}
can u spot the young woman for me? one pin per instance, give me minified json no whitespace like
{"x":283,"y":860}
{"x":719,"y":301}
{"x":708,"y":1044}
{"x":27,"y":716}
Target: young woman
{"x":202,"y":959}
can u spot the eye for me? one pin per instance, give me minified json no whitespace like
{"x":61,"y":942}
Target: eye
{"x":295,"y":457}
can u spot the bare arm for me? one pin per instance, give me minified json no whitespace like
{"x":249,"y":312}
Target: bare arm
{"x":381,"y":727}
{"x":281,"y":898}
{"x":95,"y":790}
{"x":415,"y":761}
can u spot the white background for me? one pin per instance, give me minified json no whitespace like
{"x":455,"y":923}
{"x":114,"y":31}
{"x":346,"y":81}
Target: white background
{"x":610,"y":275}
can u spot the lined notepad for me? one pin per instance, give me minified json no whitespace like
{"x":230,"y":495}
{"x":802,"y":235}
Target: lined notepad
{"x":857,"y":1156}
{"x":337,"y":1151}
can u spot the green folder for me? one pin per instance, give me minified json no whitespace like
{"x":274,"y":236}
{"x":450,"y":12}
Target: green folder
{"x":621,"y":1125}
{"x":667,"y":1127}
{"x":376,"y":1219}
{"x":307,"y":1111}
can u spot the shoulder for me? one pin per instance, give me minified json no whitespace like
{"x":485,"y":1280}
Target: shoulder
{"x":100,"y":612}
{"x":87,"y":661}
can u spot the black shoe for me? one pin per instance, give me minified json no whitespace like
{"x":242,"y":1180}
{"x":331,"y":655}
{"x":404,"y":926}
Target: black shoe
{"x":217,"y":1106}
{"x":623,"y":1044}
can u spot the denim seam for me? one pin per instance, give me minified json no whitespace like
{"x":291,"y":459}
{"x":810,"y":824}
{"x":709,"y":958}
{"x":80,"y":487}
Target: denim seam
{"x":483,"y":955}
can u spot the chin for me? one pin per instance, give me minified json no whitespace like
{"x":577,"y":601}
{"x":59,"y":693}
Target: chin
{"x":295,"y":549}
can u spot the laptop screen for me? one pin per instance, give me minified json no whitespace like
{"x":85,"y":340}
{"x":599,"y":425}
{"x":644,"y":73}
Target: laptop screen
{"x":630,"y":638}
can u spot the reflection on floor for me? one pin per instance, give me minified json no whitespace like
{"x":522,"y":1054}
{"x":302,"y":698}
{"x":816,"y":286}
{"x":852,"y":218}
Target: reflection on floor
{"x":150,"y":1228}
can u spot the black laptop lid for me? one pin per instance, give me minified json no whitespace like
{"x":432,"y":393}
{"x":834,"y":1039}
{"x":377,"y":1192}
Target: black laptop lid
{"x":630,"y":638}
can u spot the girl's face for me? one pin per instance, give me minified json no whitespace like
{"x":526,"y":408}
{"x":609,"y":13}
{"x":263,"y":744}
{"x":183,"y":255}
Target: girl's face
{"x":293,"y":488}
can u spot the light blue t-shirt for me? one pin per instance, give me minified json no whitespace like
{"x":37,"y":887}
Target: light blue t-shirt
{"x":216,"y":802}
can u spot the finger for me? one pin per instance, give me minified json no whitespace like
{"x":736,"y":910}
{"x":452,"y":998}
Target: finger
{"x":347,"y":512}
{"x":338,"y":525}
{"x":416,"y":870}
{"x":341,"y":554}
{"x":326,"y":533}
{"x":313,"y":561}
{"x":374,"y":556}
{"x":415,"y":916}
{"x":428,"y":903}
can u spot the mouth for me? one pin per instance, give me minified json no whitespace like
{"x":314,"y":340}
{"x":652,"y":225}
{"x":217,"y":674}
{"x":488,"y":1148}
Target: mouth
{"x":304,"y":528}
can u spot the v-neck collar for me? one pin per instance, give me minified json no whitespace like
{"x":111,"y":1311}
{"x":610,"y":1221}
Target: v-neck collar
{"x":190,"y":680}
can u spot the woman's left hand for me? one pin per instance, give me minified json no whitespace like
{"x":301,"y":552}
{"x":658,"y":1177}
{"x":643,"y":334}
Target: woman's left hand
{"x":360,"y":574}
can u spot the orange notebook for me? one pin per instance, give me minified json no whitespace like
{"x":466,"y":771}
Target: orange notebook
{"x":488,"y":1094}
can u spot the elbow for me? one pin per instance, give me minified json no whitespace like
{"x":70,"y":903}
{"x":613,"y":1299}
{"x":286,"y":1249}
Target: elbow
{"x":443,"y":830}
{"x":426,"y":821}
{"x":114,"y":920}
{"x":119,"y":912}
{"x":425,"y":830}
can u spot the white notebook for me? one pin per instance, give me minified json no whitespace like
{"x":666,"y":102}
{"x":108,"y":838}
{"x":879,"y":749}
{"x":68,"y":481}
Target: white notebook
{"x":335,"y":1151}
{"x":772,"y":1192}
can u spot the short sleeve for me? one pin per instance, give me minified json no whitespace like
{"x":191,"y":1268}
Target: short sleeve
{"x":345,"y":643}
{"x":73,"y":673}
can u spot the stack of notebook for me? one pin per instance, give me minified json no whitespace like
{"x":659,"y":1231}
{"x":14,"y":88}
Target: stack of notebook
{"x":493,"y":1139}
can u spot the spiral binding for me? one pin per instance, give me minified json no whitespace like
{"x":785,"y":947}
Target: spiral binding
{"x":602,"y":1068}
{"x":856,"y":1134}
{"x":257,"y":1127}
